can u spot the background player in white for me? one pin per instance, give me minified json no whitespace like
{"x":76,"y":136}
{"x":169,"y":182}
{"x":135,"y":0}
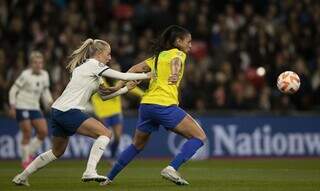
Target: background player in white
{"x":88,"y":65}
{"x":24,"y":97}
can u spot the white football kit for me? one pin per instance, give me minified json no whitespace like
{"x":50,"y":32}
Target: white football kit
{"x":84,"y":83}
{"x":28,"y":89}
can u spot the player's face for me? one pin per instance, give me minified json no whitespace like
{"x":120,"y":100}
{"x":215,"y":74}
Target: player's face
{"x":106,"y":55}
{"x":37,"y":65}
{"x":184,"y":44}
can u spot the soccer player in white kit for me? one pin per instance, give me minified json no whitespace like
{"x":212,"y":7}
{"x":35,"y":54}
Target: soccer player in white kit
{"x":24,"y":97}
{"x":88,"y":65}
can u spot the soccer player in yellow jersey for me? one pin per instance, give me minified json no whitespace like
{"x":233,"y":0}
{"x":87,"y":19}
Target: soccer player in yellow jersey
{"x":110,"y":113}
{"x":159,"y":105}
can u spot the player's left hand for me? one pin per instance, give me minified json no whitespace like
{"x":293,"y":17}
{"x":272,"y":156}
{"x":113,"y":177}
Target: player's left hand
{"x":103,"y":90}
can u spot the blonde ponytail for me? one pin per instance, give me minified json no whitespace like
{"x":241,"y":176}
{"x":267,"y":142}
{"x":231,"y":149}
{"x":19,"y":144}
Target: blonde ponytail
{"x":86,"y":50}
{"x":80,"y":55}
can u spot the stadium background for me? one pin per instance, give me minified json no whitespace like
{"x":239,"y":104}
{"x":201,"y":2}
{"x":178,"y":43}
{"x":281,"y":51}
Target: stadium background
{"x":239,"y":49}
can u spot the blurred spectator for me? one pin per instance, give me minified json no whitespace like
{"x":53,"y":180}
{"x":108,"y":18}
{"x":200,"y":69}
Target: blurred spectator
{"x":232,"y":39}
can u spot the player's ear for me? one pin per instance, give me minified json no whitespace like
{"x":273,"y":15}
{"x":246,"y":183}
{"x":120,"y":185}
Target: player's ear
{"x":177,"y":42}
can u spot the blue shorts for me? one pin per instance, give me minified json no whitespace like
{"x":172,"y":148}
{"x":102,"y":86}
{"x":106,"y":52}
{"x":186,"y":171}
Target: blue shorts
{"x":113,"y":120}
{"x":66,"y":123}
{"x":25,"y":114}
{"x":151,"y":116}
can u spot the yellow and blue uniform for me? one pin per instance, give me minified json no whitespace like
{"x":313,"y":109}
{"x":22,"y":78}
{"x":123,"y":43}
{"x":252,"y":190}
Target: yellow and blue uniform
{"x":111,"y":110}
{"x":159,"y":105}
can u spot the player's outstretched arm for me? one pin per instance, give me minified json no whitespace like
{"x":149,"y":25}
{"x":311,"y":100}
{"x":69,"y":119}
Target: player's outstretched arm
{"x":125,"y":76}
{"x":137,"y":68}
{"x":129,"y":86}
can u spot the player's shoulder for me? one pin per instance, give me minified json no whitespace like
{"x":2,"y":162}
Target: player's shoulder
{"x":93,"y":64}
{"x":26,"y":72}
{"x":176,"y":52}
{"x":44,"y":73}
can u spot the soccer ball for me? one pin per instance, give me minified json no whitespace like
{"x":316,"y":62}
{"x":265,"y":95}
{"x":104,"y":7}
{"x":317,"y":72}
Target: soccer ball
{"x":288,"y":82}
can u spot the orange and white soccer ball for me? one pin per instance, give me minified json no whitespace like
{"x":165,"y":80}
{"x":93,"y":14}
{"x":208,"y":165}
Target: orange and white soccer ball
{"x":288,"y":82}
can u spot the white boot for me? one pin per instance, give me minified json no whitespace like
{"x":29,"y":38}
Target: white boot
{"x":106,"y":182}
{"x":171,"y":174}
{"x":92,"y":176}
{"x":20,"y":181}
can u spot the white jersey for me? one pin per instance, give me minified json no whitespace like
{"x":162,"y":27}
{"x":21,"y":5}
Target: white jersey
{"x":84,"y":82}
{"x":28,"y":89}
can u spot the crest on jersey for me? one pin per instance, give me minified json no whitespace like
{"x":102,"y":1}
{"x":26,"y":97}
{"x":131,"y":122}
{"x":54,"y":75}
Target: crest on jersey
{"x":179,"y":53}
{"x":101,"y":64}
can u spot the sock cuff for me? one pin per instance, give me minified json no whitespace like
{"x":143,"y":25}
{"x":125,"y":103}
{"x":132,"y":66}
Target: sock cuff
{"x":104,"y":140}
{"x":197,"y":141}
{"x":50,"y":155}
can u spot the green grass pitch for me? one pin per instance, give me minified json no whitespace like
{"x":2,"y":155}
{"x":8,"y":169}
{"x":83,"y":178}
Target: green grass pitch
{"x":144,"y":175}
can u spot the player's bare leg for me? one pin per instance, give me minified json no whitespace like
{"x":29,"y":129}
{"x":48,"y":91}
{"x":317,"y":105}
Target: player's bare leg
{"x":41,"y":128}
{"x":26,"y":129}
{"x":58,"y":148}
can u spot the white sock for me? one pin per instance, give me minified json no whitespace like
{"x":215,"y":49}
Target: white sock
{"x":96,"y":152}
{"x":34,"y":145}
{"x":41,"y":161}
{"x":25,"y":152}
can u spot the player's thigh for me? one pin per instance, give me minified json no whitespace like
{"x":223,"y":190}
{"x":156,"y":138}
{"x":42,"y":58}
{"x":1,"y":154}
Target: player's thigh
{"x":140,"y":139}
{"x":26,"y":128}
{"x":59,"y":145}
{"x":117,"y":130}
{"x":93,"y":128}
{"x":41,"y":127}
{"x":189,"y":128}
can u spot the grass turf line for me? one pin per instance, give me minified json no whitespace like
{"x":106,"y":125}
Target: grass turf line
{"x":144,"y":175}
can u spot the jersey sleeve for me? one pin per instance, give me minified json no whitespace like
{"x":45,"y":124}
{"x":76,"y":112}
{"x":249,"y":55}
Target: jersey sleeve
{"x":21,"y":80}
{"x":150,"y":62}
{"x":99,"y":69}
{"x":46,"y":96}
{"x":178,"y":54}
{"x":46,"y":80}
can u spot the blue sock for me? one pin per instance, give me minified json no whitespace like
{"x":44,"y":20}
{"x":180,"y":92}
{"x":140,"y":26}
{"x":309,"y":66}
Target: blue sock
{"x":114,"y":148}
{"x":125,"y":157}
{"x":187,"y":151}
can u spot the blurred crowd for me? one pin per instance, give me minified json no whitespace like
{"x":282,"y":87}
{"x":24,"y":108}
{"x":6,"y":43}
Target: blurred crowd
{"x":239,"y":48}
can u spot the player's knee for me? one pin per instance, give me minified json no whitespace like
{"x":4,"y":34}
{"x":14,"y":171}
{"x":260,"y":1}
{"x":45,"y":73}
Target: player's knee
{"x":26,"y":135}
{"x":116,"y":136}
{"x":138,"y":144}
{"x":202,"y":136}
{"x":106,"y":132}
{"x":43,"y":133}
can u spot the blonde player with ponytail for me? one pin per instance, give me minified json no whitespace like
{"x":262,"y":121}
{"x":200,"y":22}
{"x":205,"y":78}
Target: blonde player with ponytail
{"x":87,"y":64}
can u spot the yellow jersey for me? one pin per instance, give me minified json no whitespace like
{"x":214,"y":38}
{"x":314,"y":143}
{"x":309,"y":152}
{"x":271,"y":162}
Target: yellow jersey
{"x":112,"y":106}
{"x":160,"y":92}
